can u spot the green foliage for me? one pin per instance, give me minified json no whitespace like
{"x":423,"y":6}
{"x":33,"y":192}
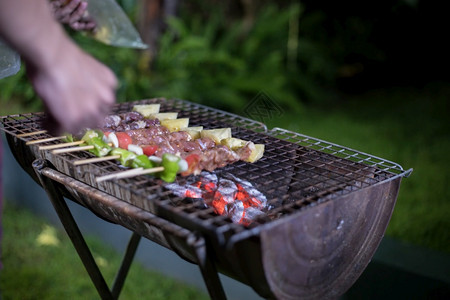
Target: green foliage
{"x":42,"y":259}
{"x":209,"y":63}
{"x":130,"y":7}
{"x":213,"y":60}
{"x":16,"y":91}
{"x":223,"y":64}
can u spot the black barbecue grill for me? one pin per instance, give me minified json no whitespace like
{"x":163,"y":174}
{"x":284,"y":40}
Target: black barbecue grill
{"x":327,"y":206}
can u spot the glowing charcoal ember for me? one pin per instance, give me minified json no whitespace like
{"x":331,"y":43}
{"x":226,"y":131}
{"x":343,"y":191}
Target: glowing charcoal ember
{"x":246,"y":198}
{"x":185,"y":191}
{"x":251,"y":214}
{"x":235,"y":211}
{"x":192,"y":194}
{"x":254,"y":196}
{"x":225,"y":194}
{"x":219,"y":203}
{"x":235,"y":198}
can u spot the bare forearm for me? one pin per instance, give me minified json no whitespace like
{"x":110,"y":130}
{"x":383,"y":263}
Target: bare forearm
{"x":29,"y":27}
{"x":76,"y":88}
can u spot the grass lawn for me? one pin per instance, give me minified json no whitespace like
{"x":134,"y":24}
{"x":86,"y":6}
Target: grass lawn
{"x":409,"y":126}
{"x":41,"y":263}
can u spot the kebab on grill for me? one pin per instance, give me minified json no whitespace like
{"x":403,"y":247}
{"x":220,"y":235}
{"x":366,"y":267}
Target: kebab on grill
{"x":145,"y":138}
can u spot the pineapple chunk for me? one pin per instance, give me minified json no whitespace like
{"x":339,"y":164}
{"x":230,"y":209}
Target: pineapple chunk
{"x":175,"y":125}
{"x":194,"y":132}
{"x":146,"y":109}
{"x":164,"y":116}
{"x":216,"y":135}
{"x":257,"y":153}
{"x":233,"y":143}
{"x":196,"y":128}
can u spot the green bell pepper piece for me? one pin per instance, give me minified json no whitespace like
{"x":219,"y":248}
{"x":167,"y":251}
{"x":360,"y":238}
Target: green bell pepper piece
{"x":126,"y":157}
{"x":171,"y":167}
{"x":69,"y":138}
{"x":100,"y":147}
{"x":88,"y":136}
{"x":99,"y":133}
{"x":142,"y":161}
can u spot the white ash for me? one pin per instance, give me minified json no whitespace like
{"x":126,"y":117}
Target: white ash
{"x":227,"y":188}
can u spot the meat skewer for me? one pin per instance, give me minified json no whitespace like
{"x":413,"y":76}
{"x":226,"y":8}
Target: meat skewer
{"x":161,"y":140}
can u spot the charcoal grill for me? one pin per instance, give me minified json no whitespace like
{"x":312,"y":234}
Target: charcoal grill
{"x":329,"y":207}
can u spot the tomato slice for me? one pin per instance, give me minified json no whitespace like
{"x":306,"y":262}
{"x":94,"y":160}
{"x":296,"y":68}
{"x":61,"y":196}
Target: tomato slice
{"x":192,"y":160}
{"x":124,"y":139}
{"x":149,"y":149}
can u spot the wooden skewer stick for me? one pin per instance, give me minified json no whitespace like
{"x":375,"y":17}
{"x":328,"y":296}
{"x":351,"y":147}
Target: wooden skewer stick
{"x":62,"y":145}
{"x":31,"y":133}
{"x":129,"y":173}
{"x":45,"y":140}
{"x":71,"y":149}
{"x":120,"y":174}
{"x":95,"y":159}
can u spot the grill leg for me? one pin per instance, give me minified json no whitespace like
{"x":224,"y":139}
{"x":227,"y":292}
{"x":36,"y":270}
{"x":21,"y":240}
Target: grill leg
{"x":126,"y":263}
{"x":207,"y":268}
{"x":79,"y":243}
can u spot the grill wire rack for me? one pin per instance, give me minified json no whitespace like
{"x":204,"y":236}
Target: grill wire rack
{"x":296,"y":173}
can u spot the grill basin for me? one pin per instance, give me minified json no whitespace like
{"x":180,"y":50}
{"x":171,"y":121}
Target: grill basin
{"x":329,"y":205}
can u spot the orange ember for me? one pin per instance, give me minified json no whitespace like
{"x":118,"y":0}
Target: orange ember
{"x":222,"y":204}
{"x":228,"y":195}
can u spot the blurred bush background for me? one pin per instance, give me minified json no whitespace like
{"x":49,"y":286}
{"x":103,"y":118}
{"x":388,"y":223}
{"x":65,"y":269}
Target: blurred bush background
{"x":367,"y":75}
{"x":225,"y":52}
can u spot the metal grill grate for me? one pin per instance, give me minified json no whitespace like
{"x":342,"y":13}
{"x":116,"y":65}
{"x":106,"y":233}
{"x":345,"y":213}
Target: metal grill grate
{"x":339,"y":151}
{"x":296,"y":171}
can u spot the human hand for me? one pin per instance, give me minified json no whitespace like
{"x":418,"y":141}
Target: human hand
{"x":73,"y":13}
{"x":77,"y":90}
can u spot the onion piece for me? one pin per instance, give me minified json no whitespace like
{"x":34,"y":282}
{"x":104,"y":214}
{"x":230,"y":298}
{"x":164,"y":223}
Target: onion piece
{"x":112,"y":138}
{"x":183,"y":165}
{"x":136,"y":149}
{"x":155,"y":159}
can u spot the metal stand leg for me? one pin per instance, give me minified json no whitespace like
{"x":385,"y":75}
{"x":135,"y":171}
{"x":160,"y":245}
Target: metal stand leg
{"x":207,"y":268}
{"x":79,"y":243}
{"x":126,"y":263}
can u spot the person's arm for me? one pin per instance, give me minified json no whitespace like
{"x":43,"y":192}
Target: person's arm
{"x":76,"y":89}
